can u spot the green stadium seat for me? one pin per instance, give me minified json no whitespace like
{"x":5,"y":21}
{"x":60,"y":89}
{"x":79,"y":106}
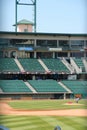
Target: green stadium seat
{"x":76,"y":86}
{"x":79,"y":62}
{"x":8,"y":64}
{"x":31,"y":65}
{"x":55,"y":65}
{"x":13,"y":86}
{"x":46,"y":86}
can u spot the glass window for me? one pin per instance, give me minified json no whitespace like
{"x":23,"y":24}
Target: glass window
{"x":16,"y":43}
{"x":64,"y":44}
{"x":86,"y":44}
{"x":77,"y":54}
{"x":61,"y":54}
{"x":77,"y":43}
{"x":4,"y":42}
{"x":22,"y":42}
{"x":44,"y":55}
{"x":47,"y":43}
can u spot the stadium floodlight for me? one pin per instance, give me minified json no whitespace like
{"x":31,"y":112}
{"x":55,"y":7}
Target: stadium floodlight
{"x":32,"y":3}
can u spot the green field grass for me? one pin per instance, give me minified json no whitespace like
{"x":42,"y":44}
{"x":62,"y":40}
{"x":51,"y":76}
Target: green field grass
{"x":14,"y":122}
{"x":47,"y":104}
{"x":43,"y":122}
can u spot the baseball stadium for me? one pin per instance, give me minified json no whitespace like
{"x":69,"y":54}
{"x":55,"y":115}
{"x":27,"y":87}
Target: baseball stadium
{"x":43,"y":79}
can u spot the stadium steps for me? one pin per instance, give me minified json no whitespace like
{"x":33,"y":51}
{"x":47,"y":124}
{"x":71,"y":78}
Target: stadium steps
{"x":44,"y":66}
{"x":80,"y":64}
{"x":1,"y":91}
{"x":85,"y":64}
{"x":75,"y":66}
{"x":19,"y":65}
{"x":30,"y":87}
{"x":71,"y":69}
{"x":67,"y":89}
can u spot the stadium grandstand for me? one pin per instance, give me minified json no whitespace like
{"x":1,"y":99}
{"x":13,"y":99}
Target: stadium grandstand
{"x":43,"y":65}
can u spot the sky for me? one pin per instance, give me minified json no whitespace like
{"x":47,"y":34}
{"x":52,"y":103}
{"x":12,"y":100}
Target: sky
{"x":53,"y":16}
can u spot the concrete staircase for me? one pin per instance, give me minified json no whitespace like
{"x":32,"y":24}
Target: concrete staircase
{"x":19,"y":65}
{"x":1,"y":90}
{"x":30,"y":87}
{"x":71,"y":69}
{"x":85,"y":64}
{"x":43,"y":65}
{"x":65,"y":87}
{"x":77,"y":69}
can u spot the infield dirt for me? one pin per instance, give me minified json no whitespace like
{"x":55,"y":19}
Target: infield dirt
{"x":5,"y":109}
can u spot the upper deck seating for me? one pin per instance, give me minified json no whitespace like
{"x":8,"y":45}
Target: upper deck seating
{"x":8,"y":64}
{"x":79,"y":62}
{"x":55,"y":65}
{"x":31,"y":65}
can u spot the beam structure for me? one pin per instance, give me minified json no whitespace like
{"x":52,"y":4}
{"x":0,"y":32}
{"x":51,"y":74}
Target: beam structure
{"x":33,"y":3}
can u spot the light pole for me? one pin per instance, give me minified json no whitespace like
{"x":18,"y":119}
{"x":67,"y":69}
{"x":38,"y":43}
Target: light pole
{"x":33,"y":3}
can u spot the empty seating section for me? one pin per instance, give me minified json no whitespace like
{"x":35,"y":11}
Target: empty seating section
{"x":77,"y":87}
{"x":31,"y":65}
{"x":13,"y":86}
{"x":55,"y":65}
{"x":46,"y":86}
{"x":8,"y":64}
{"x":79,"y":62}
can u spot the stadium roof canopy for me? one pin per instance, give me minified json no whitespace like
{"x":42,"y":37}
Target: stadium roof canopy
{"x":42,"y":33}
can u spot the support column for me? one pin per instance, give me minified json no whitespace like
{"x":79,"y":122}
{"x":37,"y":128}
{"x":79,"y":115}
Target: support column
{"x":84,"y":49}
{"x":64,"y":95}
{"x":33,"y":77}
{"x":57,"y":43}
{"x":53,"y":54}
{"x":17,"y":2}
{"x":35,"y":56}
{"x":16,"y":15}
{"x":68,"y":54}
{"x":35,"y":43}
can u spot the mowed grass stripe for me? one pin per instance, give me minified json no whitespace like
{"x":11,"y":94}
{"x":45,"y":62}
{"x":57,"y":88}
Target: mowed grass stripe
{"x":7,"y":117}
{"x":72,"y":122}
{"x":13,"y":119}
{"x":44,"y":123}
{"x":29,"y":123}
{"x":80,"y":120}
{"x":27,"y":127}
{"x":20,"y":119}
{"x":20,"y":125}
{"x":56,"y":122}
